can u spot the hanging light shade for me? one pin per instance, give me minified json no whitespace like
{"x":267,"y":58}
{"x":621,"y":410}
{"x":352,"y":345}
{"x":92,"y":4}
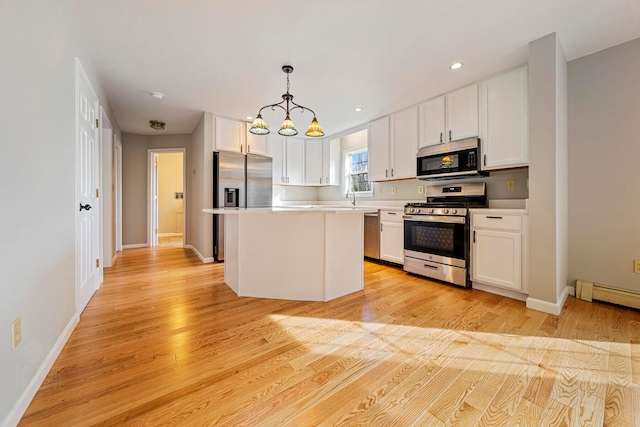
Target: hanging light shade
{"x":315,"y":129}
{"x":259,"y":127}
{"x":288,"y":128}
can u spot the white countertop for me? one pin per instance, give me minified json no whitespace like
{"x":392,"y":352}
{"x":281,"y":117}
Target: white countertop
{"x":503,"y":211}
{"x":292,"y":209}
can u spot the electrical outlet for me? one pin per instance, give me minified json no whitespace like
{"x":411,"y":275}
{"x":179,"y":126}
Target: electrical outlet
{"x":379,"y":190}
{"x":511,"y":184}
{"x":636,"y":266}
{"x":421,"y":189}
{"x":393,"y":190}
{"x":16,"y":333}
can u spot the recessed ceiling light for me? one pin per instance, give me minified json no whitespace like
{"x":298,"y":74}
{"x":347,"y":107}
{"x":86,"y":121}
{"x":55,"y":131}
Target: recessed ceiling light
{"x":357,"y":109}
{"x":157,"y":95}
{"x":249,"y":118}
{"x":456,"y":65}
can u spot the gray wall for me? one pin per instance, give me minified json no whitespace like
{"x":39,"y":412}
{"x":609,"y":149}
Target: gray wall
{"x":547,"y":169}
{"x":604,"y":180}
{"x":134,"y":180}
{"x":37,"y":225}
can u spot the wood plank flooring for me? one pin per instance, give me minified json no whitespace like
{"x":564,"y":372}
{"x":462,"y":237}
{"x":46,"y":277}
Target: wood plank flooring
{"x":166,"y":342}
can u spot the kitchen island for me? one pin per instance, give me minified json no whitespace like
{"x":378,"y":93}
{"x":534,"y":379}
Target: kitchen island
{"x":308,"y":254}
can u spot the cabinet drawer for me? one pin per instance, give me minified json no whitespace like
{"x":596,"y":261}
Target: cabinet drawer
{"x":497,"y":221}
{"x":391,"y":216}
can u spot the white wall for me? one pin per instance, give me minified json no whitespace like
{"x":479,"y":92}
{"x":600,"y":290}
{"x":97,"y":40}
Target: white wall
{"x":38,"y":46}
{"x":604,"y":171}
{"x":170,"y":181}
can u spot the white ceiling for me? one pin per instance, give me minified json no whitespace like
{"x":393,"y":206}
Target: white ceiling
{"x":225,"y":57}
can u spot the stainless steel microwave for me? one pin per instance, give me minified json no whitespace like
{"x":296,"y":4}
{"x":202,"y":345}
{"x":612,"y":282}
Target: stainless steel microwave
{"x":457,"y":159}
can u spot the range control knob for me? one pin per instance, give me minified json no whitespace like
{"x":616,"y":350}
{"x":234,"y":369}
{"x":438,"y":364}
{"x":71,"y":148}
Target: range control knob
{"x":430,"y":210}
{"x":445,"y":211}
{"x":417,"y":210}
{"x":454,"y":211}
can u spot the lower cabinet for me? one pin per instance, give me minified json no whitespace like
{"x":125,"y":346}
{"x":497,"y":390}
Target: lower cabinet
{"x":391,"y":236}
{"x":498,"y":249}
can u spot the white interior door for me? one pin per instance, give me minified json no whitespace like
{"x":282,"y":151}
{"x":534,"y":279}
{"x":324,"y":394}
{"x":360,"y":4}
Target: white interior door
{"x":117,"y":198}
{"x":87,"y":187}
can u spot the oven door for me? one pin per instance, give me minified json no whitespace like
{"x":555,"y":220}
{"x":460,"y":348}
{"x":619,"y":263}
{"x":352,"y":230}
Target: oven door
{"x":438,"y":238}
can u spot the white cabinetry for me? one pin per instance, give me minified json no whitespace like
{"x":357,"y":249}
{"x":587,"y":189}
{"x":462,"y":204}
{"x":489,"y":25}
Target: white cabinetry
{"x":313,"y":149}
{"x":295,"y":161}
{"x":392,"y":236}
{"x":392,"y":143}
{"x":256,"y":144}
{"x":331,"y":161}
{"x":229,"y":135}
{"x":504,"y":127}
{"x":277,"y":146}
{"x":499,"y":250}
{"x":449,"y":117}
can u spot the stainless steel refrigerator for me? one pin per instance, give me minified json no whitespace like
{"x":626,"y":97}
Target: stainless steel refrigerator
{"x":239,"y":181}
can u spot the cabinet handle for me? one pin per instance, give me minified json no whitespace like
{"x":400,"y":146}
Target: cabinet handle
{"x":320,"y":180}
{"x":391,"y":171}
{"x":449,"y":134}
{"x":440,"y":137}
{"x":381,"y":227}
{"x":484,"y":160}
{"x":248,"y":148}
{"x":493,"y":217}
{"x":241,"y":148}
{"x":391,"y":213}
{"x":287,"y":180}
{"x":431,"y":266}
{"x":474,"y":236}
{"x":386,"y":173}
{"x":326,"y":180}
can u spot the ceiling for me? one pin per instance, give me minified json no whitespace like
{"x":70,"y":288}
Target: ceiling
{"x":225,"y":57}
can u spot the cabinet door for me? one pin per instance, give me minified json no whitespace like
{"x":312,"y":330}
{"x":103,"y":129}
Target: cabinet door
{"x":257,"y":144}
{"x":378,"y":139}
{"x":277,"y":150}
{"x":295,"y":161}
{"x":392,"y":242}
{"x":229,"y":135}
{"x":497,"y":258}
{"x":404,"y":143}
{"x":462,"y":113}
{"x":431,"y":122}
{"x":313,"y":161}
{"x":331,"y":161}
{"x":504,"y":126}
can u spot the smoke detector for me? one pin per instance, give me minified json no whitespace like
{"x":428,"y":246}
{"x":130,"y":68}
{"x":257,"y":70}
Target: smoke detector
{"x":157,"y":95}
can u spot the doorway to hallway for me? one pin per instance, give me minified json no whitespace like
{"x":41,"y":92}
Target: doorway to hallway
{"x":167,"y":199}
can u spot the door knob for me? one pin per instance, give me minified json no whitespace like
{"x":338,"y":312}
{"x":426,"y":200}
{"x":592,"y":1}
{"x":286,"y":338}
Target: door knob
{"x":87,"y":207}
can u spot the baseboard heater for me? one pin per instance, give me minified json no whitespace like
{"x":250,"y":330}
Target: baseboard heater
{"x":589,"y":291}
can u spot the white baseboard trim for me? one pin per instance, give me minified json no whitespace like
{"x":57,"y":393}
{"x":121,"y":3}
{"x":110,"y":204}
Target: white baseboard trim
{"x":135,"y":246}
{"x":169,"y":234}
{"x":202,"y":258}
{"x":18,"y":410}
{"x":549,"y":307}
{"x":499,"y":291}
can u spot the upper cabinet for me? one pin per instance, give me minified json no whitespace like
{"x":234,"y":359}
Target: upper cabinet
{"x":449,"y":117}
{"x":295,"y":161}
{"x":277,"y":147}
{"x":504,"y":125}
{"x":331,"y":161}
{"x":392,"y":144}
{"x":462,"y":113}
{"x":256,"y":144}
{"x":229,"y":135}
{"x":313,"y":161}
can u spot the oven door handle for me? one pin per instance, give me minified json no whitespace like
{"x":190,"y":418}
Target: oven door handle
{"x":435,"y":218}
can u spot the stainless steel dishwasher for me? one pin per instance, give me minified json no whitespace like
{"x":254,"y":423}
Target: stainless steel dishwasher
{"x":372,"y":235}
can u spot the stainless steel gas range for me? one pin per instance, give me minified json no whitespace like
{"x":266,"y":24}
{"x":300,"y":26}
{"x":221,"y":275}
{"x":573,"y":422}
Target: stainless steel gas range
{"x":436,"y":232}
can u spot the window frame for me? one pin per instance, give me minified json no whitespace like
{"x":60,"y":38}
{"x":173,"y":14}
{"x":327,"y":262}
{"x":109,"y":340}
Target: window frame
{"x":346,"y":173}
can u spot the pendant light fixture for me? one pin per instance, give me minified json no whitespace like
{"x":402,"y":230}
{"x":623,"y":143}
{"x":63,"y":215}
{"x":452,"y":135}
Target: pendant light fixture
{"x":259,"y":127}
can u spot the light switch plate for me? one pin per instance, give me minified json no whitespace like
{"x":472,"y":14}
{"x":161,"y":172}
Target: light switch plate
{"x":379,"y":190}
{"x":421,"y":189}
{"x":393,"y":190}
{"x":636,"y":266}
{"x":511,"y":184}
{"x":16,"y":333}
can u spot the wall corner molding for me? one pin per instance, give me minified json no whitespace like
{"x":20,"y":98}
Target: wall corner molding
{"x":202,"y":258}
{"x":550,"y":307}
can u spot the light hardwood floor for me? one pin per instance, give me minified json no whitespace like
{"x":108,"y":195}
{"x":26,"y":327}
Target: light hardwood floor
{"x":166,"y":342}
